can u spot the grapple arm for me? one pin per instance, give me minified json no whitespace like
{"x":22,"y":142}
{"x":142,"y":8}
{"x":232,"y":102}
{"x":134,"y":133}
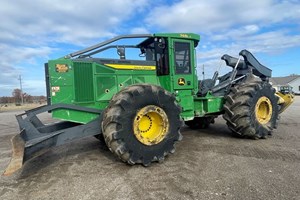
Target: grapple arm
{"x":249,"y":62}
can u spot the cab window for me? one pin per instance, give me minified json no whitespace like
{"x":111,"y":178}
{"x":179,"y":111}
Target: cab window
{"x":182,"y":56}
{"x":162,"y":57}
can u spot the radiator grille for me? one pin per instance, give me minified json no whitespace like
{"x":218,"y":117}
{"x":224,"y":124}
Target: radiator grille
{"x":83,"y":82}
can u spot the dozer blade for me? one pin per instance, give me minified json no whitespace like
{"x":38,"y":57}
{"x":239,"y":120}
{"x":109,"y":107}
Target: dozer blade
{"x":36,"y":138}
{"x":16,"y":161}
{"x":285,"y":100}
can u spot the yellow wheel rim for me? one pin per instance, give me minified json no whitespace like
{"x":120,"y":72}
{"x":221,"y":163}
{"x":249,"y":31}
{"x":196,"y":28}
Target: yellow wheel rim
{"x":263,"y":110}
{"x":150,"y":125}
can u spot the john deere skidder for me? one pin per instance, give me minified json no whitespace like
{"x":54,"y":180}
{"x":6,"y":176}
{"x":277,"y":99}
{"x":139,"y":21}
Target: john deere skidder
{"x":139,"y":105}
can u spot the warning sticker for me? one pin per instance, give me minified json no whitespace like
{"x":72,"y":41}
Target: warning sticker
{"x":55,"y":89}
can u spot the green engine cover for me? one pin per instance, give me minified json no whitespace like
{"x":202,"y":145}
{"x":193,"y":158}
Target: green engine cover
{"x":91,"y":84}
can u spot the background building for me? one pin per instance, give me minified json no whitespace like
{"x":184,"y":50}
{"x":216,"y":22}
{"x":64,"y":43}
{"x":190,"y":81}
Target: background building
{"x":292,"y":80}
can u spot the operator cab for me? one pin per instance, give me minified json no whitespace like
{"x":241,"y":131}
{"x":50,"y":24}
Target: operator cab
{"x":174,"y":55}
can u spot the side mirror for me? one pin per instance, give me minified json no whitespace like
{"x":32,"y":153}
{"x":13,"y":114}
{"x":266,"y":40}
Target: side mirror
{"x":143,"y":52}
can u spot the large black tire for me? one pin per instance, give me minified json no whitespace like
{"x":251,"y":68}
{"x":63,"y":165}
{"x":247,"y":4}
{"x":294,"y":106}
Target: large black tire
{"x":251,"y":109}
{"x":200,"y":122}
{"x":120,"y":118}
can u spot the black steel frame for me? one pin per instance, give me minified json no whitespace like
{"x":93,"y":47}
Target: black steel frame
{"x":39,"y":137}
{"x":97,"y":46}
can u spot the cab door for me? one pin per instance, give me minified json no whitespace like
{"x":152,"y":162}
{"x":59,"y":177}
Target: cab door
{"x":182,"y":63}
{"x":183,"y":70}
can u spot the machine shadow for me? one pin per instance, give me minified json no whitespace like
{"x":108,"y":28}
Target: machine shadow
{"x":216,"y":130}
{"x":66,"y":154}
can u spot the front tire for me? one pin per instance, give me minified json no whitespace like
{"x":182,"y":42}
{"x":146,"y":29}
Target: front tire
{"x":141,"y":124}
{"x":251,"y":109}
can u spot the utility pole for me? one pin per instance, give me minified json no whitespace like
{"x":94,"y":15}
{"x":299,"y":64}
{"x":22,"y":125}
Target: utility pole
{"x":20,"y":79}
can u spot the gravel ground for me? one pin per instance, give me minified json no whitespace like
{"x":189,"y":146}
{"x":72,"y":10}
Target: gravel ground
{"x":207,"y":164}
{"x":13,"y":107}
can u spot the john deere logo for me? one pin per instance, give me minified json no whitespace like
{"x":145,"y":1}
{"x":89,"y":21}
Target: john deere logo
{"x":61,"y":68}
{"x":181,"y":81}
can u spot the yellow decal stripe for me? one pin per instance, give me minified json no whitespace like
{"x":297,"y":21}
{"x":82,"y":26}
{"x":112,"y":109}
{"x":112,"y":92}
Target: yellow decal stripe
{"x":134,"y":67}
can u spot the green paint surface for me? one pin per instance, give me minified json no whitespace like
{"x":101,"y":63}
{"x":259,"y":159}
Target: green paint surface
{"x":92,"y":84}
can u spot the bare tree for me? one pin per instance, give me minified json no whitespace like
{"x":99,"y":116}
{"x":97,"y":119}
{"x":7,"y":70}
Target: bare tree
{"x":27,"y":98}
{"x":17,"y":95}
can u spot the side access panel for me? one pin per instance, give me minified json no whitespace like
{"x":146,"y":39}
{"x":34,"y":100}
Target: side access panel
{"x":208,"y":105}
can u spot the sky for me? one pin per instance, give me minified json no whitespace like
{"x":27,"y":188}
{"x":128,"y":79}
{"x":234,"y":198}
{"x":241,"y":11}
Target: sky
{"x":33,"y":32}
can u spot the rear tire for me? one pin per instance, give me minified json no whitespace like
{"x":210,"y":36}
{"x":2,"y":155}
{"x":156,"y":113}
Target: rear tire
{"x":251,"y":109}
{"x":141,"y":124}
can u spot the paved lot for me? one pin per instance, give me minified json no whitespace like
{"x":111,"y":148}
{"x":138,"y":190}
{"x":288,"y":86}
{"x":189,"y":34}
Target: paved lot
{"x":207,"y":164}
